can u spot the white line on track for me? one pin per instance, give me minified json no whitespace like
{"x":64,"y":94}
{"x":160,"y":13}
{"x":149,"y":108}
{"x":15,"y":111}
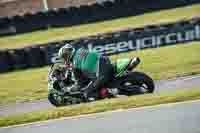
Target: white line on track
{"x":190,"y":78}
{"x":102,"y":113}
{"x":183,"y":78}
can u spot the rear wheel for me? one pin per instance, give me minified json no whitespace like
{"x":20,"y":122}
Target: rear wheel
{"x":137,"y":83}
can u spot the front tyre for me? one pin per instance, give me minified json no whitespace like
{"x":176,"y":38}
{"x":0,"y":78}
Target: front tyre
{"x":137,"y":82}
{"x":56,"y":99}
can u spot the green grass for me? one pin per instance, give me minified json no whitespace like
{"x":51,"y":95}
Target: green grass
{"x":102,"y":106}
{"x":161,"y":63}
{"x":163,"y":16}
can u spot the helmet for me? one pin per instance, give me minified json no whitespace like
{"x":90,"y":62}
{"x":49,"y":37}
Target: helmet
{"x":66,"y":52}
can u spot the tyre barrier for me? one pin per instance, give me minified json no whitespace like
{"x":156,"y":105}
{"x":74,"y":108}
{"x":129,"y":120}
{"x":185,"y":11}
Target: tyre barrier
{"x":84,"y":14}
{"x":152,"y":36}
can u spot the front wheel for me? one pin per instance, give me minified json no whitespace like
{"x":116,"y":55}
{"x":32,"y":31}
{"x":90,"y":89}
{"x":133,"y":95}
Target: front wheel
{"x":56,"y":99}
{"x":137,"y":83}
{"x":63,"y":100}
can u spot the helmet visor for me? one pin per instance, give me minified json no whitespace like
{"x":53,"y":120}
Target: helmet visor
{"x":67,"y":55}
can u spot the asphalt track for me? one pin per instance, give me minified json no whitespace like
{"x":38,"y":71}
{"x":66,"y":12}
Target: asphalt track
{"x":161,"y":86}
{"x":169,"y":118}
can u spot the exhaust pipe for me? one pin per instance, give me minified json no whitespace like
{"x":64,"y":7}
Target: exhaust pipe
{"x":133,"y":63}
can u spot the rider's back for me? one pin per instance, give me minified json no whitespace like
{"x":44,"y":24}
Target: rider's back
{"x":85,"y":60}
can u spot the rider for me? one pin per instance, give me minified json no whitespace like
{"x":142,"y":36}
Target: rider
{"x":87,"y":65}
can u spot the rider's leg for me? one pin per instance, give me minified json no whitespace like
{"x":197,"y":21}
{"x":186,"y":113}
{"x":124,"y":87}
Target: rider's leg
{"x":80,"y":80}
{"x":103,"y":75}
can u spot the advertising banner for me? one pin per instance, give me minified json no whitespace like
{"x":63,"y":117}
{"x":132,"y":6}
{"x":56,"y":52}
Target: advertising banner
{"x":138,"y":39}
{"x":107,"y":44}
{"x":158,"y":37}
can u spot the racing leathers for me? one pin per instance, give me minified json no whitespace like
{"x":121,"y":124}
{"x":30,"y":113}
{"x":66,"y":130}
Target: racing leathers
{"x":93,"y":67}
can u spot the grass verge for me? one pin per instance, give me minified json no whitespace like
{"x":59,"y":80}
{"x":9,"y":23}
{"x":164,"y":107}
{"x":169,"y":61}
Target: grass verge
{"x":164,"y":16}
{"x":102,"y":106}
{"x":161,"y":63}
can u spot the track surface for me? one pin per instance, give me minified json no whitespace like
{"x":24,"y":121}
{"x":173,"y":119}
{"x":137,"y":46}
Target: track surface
{"x":170,"y":118}
{"x":161,"y":86}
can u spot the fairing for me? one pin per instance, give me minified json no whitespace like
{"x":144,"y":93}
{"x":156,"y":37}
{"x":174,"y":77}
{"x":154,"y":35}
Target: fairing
{"x":121,"y":65}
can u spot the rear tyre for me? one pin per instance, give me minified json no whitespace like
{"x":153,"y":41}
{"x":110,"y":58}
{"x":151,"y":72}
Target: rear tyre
{"x":137,"y":83}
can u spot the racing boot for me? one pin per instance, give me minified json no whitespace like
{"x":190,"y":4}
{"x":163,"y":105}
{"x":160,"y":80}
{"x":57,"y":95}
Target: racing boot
{"x":87,"y":92}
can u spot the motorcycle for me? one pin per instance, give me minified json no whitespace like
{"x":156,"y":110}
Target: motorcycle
{"x":126,"y":82}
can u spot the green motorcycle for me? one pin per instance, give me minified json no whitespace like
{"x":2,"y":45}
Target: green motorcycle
{"x":125,"y":82}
